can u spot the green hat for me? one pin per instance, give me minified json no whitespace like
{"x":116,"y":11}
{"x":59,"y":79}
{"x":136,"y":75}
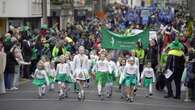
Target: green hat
{"x":44,"y":26}
{"x":176,"y":45}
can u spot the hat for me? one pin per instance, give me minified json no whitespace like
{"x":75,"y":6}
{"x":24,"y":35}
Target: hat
{"x":176,"y":45}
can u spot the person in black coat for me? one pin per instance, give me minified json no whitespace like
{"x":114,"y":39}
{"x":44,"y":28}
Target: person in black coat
{"x":27,"y":54}
{"x":10,"y":64}
{"x":152,"y":54}
{"x":175,"y":63}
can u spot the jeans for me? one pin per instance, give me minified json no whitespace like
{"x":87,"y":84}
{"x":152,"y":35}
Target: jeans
{"x":16,"y":76}
{"x":8,"y":80}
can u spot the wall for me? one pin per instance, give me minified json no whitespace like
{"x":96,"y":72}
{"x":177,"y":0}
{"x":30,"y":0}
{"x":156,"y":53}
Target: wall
{"x":22,"y":8}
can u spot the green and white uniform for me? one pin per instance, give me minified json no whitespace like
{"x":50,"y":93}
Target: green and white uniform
{"x":114,"y":72}
{"x":81,"y":67}
{"x":102,"y":70}
{"x":41,"y":78}
{"x":130,"y":73}
{"x":148,"y":76}
{"x":64,"y":73}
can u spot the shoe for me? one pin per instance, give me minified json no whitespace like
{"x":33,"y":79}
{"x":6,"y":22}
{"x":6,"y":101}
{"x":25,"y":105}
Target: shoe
{"x":187,"y":100}
{"x":122,"y":97}
{"x":127,"y":99}
{"x":43,"y":94}
{"x":131,"y":99}
{"x":150,"y":94}
{"x":168,"y":96}
{"x":109,"y":96}
{"x":176,"y":97}
{"x":14,"y":88}
{"x":61,"y":96}
{"x":79,"y":97}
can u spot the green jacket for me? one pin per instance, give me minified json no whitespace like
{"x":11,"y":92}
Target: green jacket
{"x":140,"y":54}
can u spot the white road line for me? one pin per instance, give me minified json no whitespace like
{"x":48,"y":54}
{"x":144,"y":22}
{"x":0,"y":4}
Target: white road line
{"x":90,"y":91}
{"x":99,"y":101}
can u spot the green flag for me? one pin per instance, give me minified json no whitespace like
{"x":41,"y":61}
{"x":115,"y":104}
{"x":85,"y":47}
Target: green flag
{"x":111,"y":40}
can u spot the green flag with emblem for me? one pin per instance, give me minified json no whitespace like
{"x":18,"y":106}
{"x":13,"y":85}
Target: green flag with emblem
{"x":111,"y":40}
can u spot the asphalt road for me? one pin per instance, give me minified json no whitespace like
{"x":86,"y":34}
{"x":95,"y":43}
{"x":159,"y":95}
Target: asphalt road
{"x":26,"y":99}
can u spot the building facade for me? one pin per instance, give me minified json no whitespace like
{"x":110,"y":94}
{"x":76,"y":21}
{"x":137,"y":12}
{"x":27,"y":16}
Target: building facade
{"x":19,"y":12}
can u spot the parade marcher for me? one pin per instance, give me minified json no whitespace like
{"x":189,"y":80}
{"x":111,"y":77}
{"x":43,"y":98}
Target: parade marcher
{"x":102,"y":70}
{"x":120,"y":71}
{"x":92,"y":61}
{"x":52,"y":75}
{"x":112,"y":76}
{"x":64,"y":76}
{"x":174,"y":68}
{"x":41,"y":79}
{"x":130,"y":77}
{"x":148,"y":78}
{"x":81,"y":70}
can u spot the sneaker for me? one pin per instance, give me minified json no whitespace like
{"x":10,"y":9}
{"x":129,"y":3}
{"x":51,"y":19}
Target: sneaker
{"x":168,"y":96}
{"x":61,"y":96}
{"x":127,"y":99}
{"x":176,"y":97}
{"x":109,"y":96}
{"x":14,"y":88}
{"x":187,"y":100}
{"x":43,"y":94}
{"x":79,"y":97}
{"x":122,"y":97}
{"x":131,"y":99}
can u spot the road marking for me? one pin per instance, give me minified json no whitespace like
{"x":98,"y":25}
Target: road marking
{"x":99,"y":101}
{"x":90,"y":91}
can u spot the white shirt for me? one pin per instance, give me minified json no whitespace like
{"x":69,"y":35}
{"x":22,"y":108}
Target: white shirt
{"x":149,"y":73}
{"x":113,"y":67}
{"x":41,"y":74}
{"x":64,"y":68}
{"x":132,"y":70}
{"x":102,"y":66}
{"x":80,"y":64}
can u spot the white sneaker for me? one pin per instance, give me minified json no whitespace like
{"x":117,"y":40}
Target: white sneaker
{"x":187,"y":100}
{"x":14,"y":88}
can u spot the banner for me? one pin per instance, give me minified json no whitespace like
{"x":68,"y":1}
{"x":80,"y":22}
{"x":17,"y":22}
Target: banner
{"x":111,"y":40}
